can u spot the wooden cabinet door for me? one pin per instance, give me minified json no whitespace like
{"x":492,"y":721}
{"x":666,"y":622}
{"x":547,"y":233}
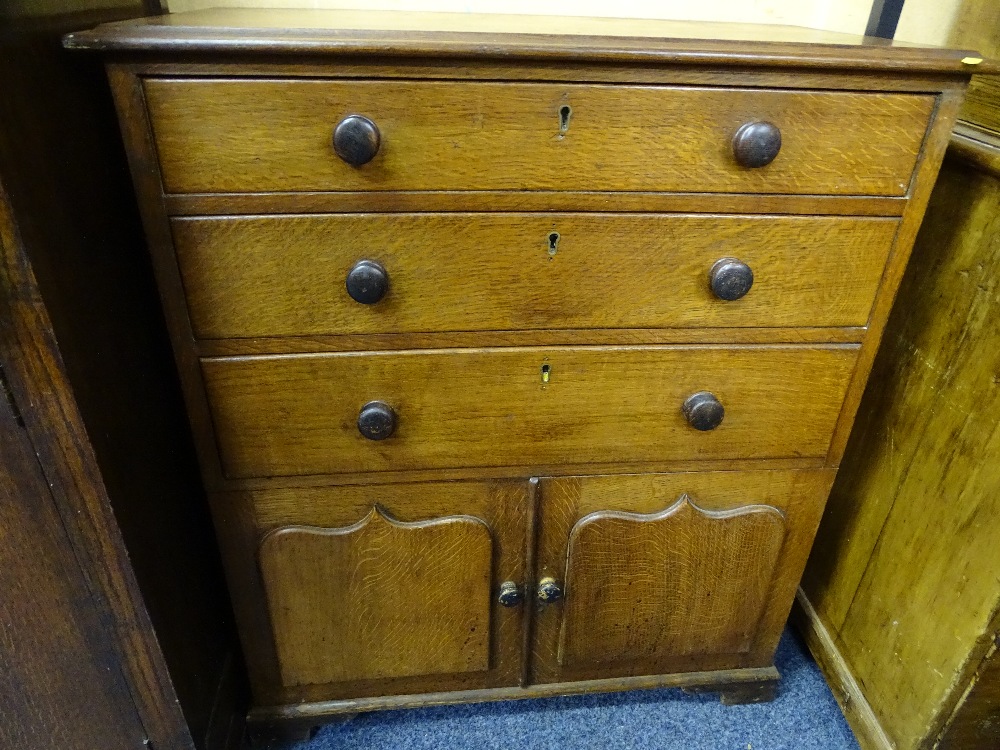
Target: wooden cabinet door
{"x":386,"y":589}
{"x":666,"y":573}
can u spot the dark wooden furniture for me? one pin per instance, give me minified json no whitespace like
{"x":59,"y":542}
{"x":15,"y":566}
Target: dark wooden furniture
{"x":115,"y":629}
{"x":520,"y":353}
{"x":900,"y":603}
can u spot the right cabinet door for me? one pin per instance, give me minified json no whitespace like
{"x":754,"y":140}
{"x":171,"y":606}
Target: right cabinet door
{"x":659,"y":573}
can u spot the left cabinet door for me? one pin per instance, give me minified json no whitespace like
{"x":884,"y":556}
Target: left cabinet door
{"x":362,"y":591}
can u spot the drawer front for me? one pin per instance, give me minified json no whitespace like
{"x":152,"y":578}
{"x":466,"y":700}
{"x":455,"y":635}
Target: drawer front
{"x":297,"y":415}
{"x":285,"y":276}
{"x":276,"y":135}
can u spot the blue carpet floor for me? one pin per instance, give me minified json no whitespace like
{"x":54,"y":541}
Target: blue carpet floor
{"x":804,"y":716}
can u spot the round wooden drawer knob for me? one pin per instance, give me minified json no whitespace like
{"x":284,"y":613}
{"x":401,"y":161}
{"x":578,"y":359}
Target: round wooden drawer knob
{"x":756,"y":144}
{"x":377,"y":420}
{"x":367,"y":282}
{"x":703,"y":411}
{"x":356,"y":140}
{"x":730,"y":279}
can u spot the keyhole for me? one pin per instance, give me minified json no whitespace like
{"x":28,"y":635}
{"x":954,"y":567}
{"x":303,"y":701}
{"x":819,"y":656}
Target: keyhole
{"x":553,"y":242}
{"x":565,"y":111}
{"x":546,"y":370}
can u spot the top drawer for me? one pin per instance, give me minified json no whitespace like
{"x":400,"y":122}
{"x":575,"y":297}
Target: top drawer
{"x":276,"y":135}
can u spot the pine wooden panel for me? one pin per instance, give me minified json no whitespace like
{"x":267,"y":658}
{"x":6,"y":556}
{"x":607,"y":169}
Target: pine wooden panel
{"x":899,"y":573}
{"x":976,"y":722}
{"x":380,"y":598}
{"x":274,"y":135}
{"x":287,"y":415}
{"x":683,"y":580}
{"x":284,"y":276}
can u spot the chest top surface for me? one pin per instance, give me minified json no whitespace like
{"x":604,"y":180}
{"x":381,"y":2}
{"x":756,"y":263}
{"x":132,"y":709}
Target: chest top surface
{"x":499,"y":36}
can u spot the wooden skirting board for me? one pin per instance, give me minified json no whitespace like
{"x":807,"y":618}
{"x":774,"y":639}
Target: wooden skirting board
{"x":846,"y":690}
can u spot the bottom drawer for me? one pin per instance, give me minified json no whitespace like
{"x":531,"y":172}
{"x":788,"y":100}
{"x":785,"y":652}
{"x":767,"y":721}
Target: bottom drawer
{"x":403,"y":589}
{"x":294,"y":415}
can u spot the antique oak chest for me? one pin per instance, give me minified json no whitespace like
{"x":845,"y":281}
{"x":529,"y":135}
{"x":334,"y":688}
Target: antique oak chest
{"x":520,"y":352}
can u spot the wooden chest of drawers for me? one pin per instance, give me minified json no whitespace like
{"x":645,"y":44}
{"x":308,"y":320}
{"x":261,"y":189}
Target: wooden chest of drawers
{"x":520,"y":360}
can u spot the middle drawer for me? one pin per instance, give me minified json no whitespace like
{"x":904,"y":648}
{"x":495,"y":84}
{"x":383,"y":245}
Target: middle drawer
{"x":300,"y":414}
{"x":285,"y":275}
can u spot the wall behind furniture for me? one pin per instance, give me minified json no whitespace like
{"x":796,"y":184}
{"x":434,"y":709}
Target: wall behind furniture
{"x":926,"y":21}
{"x":834,"y":15}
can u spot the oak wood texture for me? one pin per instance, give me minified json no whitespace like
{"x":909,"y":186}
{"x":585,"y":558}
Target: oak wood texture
{"x":537,"y":337}
{"x":587,"y":634}
{"x":273,"y":135}
{"x":399,"y":599}
{"x":935,"y":145}
{"x":920,"y":475}
{"x":283,"y":416}
{"x":284,"y":276}
{"x":531,"y":37}
{"x":490,"y":142}
{"x":238,"y":204}
{"x":684,"y":579}
{"x":468,"y":519}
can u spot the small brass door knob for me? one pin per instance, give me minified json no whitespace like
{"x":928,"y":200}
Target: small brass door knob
{"x":703,"y":411}
{"x":367,"y":282}
{"x":730,"y":279}
{"x":377,"y":420}
{"x":549,"y":591}
{"x":510,"y":594}
{"x":356,"y":140}
{"x":756,"y":144}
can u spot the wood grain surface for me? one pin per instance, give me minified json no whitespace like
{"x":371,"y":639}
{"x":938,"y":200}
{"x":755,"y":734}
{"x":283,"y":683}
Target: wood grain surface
{"x":84,"y":349}
{"x":403,"y":201}
{"x":900,"y":573}
{"x":288,"y":415}
{"x":372,"y":342}
{"x":931,"y":156}
{"x":503,"y":359}
{"x":499,"y":38}
{"x":274,"y":135}
{"x":380,"y":598}
{"x":284,"y":276}
{"x":685,"y":580}
{"x":56,"y":631}
{"x":764,"y":519}
{"x":976,"y":720}
{"x":502,"y":509}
